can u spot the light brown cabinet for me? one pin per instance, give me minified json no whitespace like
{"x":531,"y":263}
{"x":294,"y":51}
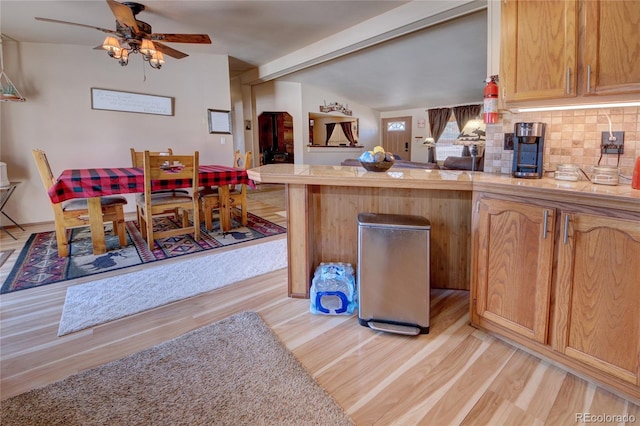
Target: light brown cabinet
{"x":539,"y":48}
{"x":561,"y":279}
{"x":554,"y":49}
{"x":515,"y":250}
{"x":597,"y":311}
{"x":611,"y":47}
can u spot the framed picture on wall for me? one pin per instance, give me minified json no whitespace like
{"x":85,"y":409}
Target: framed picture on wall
{"x":116,"y":100}
{"x":219,"y":121}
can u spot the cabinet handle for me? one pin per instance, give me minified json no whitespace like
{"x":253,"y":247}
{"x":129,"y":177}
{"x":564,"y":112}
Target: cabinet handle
{"x":568,"y":81}
{"x":566,"y":229}
{"x":477,"y":206}
{"x":588,"y":78}
{"x":544,"y":226}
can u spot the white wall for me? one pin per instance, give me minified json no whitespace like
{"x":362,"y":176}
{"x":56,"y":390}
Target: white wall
{"x":299,"y":101}
{"x":279,"y":96}
{"x":369,"y":122}
{"x":57,"y":116}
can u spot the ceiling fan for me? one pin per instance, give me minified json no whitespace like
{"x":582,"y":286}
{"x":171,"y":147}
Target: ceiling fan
{"x":134,"y":36}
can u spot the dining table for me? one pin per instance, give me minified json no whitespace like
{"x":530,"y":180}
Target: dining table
{"x":92,"y":184}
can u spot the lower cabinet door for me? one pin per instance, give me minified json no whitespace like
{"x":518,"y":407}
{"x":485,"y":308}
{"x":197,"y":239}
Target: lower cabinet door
{"x":514,"y":265}
{"x":597,"y":310}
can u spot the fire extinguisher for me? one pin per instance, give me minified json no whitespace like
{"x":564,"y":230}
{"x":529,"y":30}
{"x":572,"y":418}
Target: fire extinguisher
{"x":491,"y":100}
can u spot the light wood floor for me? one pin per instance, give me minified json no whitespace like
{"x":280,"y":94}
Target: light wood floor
{"x":454,"y":375}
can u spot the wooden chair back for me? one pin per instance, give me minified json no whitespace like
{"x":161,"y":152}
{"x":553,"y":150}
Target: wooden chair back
{"x":137,"y":157}
{"x":242,"y":161}
{"x":137,"y":160}
{"x":238,"y":196}
{"x":159,"y":168}
{"x":43,"y":168}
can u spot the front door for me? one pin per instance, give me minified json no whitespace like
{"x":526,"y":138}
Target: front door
{"x":396,"y":136}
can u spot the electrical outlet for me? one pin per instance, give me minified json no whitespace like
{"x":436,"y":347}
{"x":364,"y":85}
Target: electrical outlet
{"x":613,"y":145}
{"x":223,"y":141}
{"x":508,"y":141}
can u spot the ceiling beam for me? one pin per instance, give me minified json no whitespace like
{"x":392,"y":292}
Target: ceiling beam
{"x":405,"y":19}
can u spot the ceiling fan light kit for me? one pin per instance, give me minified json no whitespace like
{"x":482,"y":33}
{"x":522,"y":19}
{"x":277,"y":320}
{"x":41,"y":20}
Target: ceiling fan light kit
{"x":133,"y":36}
{"x":147,"y":49}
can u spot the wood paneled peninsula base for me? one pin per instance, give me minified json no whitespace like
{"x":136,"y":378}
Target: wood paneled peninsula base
{"x":551,"y":265}
{"x":323,"y":203}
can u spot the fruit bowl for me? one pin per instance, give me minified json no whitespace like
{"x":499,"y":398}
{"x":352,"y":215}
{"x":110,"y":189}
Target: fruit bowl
{"x":381,"y":166}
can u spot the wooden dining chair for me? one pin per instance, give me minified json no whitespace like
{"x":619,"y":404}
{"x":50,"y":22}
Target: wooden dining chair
{"x":210,"y":198}
{"x":137,"y":160}
{"x":162,"y":170}
{"x":74,"y":213}
{"x":238,"y":193}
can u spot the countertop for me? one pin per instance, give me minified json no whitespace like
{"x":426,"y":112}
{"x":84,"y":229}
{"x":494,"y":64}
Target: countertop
{"x":620,"y":196}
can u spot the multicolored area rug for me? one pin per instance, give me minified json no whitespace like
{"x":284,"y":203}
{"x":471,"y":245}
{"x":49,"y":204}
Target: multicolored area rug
{"x":38,"y":263}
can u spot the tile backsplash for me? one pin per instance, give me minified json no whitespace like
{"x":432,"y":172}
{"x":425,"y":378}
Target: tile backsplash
{"x":572,"y":137}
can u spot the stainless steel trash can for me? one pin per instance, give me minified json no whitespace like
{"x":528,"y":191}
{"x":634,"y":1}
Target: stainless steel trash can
{"x":393,"y":272}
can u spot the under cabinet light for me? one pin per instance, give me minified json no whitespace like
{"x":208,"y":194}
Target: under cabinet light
{"x":585,"y":106}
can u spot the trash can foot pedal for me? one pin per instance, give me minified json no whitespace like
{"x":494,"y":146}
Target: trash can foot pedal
{"x":394,"y":328}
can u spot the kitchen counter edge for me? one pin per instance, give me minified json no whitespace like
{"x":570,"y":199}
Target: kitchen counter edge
{"x":581,"y":192}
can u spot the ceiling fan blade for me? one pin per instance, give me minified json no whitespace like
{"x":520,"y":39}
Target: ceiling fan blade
{"x":55,"y":21}
{"x":182,"y":38}
{"x":123,"y":14}
{"x":169,"y":51}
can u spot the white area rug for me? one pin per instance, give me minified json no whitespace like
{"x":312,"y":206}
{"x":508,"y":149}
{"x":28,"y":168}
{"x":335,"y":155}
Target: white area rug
{"x":104,"y":300}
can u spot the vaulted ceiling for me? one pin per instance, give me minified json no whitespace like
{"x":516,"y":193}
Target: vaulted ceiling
{"x":437,"y":63}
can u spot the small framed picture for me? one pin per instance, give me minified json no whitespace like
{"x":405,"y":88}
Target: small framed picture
{"x":219,"y":121}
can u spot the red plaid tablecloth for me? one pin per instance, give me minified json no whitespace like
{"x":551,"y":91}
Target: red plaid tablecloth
{"x":87,"y":183}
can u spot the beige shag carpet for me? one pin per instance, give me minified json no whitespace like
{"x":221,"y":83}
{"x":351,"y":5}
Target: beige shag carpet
{"x":233,"y":372}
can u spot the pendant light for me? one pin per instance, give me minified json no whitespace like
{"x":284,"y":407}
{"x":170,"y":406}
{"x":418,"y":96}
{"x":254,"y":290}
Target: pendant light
{"x":8,"y":91}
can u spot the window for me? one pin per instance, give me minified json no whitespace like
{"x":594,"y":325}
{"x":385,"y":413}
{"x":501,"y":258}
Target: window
{"x":396,"y":126}
{"x":445,"y":147}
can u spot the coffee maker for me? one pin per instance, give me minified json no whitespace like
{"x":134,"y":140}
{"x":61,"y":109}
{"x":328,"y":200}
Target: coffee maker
{"x":528,"y":147}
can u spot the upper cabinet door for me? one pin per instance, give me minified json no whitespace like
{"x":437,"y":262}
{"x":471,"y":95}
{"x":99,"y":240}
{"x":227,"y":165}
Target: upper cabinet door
{"x":611,"y":47}
{"x":539,"y":49}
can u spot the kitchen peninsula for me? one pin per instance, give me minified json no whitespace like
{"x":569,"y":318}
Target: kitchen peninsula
{"x":323,"y":203}
{"x":550,"y":265}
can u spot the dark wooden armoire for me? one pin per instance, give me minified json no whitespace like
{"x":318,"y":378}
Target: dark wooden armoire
{"x":275,"y":137}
